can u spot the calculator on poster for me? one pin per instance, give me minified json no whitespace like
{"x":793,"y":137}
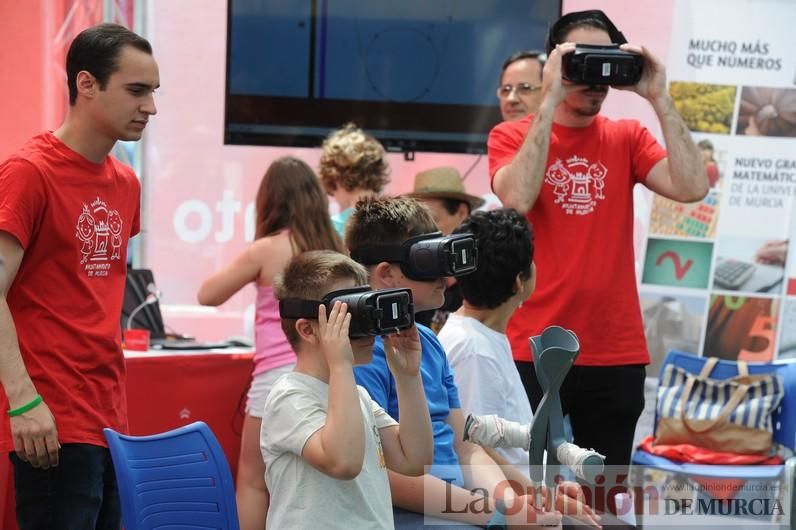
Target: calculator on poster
{"x":733,"y":273}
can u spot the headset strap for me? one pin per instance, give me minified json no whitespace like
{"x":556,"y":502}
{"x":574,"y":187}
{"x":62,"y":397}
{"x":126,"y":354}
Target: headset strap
{"x":617,"y":37}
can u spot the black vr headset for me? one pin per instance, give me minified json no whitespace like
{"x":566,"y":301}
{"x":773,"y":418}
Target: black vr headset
{"x":373,"y":313}
{"x":427,"y":256}
{"x":595,"y":64}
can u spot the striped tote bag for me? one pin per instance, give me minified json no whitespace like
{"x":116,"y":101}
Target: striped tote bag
{"x":730,"y":415}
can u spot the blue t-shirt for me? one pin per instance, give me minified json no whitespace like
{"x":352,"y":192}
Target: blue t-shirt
{"x":441,"y":395}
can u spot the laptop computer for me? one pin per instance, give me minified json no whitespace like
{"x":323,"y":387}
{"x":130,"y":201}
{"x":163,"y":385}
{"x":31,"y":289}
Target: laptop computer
{"x":140,"y":284}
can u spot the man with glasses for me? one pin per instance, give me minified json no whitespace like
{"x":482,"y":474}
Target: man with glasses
{"x":520,"y":85}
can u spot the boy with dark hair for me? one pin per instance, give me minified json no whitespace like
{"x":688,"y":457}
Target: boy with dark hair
{"x":325,"y":442}
{"x":479,"y":351}
{"x":69,"y":209}
{"x":459,"y":466}
{"x":475,"y":338}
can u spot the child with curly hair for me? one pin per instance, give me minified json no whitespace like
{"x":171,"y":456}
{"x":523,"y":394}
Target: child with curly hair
{"x":353,"y":166}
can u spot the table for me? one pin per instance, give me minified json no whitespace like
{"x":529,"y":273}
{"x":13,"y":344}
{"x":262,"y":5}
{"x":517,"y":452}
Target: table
{"x":169,"y":389}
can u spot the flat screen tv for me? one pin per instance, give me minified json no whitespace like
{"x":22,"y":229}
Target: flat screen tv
{"x":419,"y":75}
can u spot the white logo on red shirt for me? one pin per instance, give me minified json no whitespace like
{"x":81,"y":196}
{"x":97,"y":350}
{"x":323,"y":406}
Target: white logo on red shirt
{"x":99,"y":229}
{"x":577,"y":184}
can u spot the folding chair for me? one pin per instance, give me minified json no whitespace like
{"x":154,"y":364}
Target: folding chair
{"x":783,"y":420}
{"x":176,"y":479}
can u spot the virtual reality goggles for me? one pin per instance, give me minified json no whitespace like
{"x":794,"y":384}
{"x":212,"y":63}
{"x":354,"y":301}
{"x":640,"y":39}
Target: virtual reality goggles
{"x":426,"y":257}
{"x":373,"y":312}
{"x":602,"y":65}
{"x":593,"y":64}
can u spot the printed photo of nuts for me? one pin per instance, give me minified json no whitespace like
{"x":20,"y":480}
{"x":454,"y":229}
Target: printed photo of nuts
{"x":704,"y":107}
{"x":767,"y":112}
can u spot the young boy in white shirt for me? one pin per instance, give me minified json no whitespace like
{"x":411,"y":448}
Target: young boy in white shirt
{"x":326,"y":445}
{"x":475,"y":338}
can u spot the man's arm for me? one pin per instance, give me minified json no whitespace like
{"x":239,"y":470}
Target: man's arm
{"x":517,"y":184}
{"x":34,"y":432}
{"x":681,"y":176}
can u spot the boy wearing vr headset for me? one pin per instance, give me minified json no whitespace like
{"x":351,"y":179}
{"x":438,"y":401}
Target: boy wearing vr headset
{"x":326,"y":445}
{"x":397,"y":239}
{"x":572,"y":172}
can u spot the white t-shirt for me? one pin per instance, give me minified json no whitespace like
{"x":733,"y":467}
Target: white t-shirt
{"x":486,"y":375}
{"x":302,"y":496}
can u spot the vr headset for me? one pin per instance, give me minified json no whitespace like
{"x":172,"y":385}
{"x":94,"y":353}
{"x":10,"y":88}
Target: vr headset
{"x":594,"y":64}
{"x":427,"y":256}
{"x":373,"y":312}
{"x":602,"y":65}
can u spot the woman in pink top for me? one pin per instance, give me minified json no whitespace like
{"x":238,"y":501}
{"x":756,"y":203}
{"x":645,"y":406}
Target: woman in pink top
{"x":292,"y":217}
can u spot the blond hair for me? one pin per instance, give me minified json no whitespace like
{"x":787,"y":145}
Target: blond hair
{"x":310,"y":276}
{"x":353,"y":160}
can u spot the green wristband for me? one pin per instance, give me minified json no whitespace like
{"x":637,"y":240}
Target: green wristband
{"x":24,"y":408}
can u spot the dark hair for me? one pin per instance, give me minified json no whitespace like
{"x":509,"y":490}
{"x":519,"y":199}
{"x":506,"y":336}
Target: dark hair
{"x":505,"y":250}
{"x":591,"y":19}
{"x":290,"y":197}
{"x":387,"y":221}
{"x":96,"y":50}
{"x":519,"y":56}
{"x":451,"y":205}
{"x":310,"y":276}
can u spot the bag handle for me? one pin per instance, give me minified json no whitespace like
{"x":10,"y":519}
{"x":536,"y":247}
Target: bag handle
{"x":726,"y":410}
{"x":710,"y":364}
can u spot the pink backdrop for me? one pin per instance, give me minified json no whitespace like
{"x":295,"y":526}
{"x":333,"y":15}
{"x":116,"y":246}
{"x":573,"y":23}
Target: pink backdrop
{"x":197,"y":191}
{"x":36,"y":36}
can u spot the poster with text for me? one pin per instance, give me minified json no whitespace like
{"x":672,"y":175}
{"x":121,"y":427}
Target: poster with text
{"x":732,"y":78}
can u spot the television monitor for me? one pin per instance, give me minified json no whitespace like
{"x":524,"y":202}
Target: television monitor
{"x":419,"y":75}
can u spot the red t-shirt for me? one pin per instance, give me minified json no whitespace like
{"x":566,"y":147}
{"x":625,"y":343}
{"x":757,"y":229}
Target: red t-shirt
{"x":583,"y":237}
{"x":73,"y":218}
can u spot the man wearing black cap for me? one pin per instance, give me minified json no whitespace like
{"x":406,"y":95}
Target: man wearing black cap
{"x":572,"y":172}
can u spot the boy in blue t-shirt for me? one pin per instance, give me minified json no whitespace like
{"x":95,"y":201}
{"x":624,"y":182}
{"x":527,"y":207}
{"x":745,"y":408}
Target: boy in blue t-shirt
{"x":464,"y":483}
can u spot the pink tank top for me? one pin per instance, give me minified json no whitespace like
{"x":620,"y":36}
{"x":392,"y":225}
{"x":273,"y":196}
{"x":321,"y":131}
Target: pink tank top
{"x":272,"y":349}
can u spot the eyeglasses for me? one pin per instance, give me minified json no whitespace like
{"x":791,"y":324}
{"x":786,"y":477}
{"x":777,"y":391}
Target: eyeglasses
{"x":523,"y":89}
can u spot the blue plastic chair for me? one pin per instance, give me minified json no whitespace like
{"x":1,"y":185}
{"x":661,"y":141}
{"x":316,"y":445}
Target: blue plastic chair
{"x":783,"y":420}
{"x":176,"y":479}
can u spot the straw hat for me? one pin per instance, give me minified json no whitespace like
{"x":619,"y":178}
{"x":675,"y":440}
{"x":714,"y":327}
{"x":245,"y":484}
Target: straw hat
{"x":443,"y":183}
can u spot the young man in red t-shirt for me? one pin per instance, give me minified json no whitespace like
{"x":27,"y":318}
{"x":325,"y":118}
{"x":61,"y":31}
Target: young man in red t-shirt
{"x":572,"y":172}
{"x":67,"y":210}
